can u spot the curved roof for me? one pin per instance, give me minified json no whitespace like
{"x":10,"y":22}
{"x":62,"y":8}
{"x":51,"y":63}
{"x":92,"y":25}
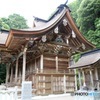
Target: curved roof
{"x":47,"y":27}
{"x":19,"y":38}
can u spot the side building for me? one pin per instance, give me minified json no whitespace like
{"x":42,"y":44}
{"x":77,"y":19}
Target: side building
{"x":88,"y":70}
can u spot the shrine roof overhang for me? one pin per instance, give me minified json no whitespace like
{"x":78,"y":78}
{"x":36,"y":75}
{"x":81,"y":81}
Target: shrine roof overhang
{"x":18,"y":38}
{"x":3,"y":37}
{"x":86,"y":59}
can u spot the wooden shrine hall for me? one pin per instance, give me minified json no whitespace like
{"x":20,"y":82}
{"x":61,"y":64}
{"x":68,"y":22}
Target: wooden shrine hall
{"x":42,"y":54}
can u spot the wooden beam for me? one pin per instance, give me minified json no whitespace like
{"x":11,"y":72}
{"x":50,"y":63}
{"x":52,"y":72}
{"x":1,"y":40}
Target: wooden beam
{"x":20,"y":54}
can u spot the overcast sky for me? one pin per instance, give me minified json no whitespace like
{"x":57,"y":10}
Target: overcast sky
{"x":29,"y":8}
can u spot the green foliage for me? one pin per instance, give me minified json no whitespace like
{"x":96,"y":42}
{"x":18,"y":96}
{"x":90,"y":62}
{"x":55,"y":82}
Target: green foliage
{"x":2,"y":73}
{"x":94,"y":35}
{"x":74,"y":6}
{"x":14,"y":21}
{"x":86,"y":14}
{"x":3,"y":25}
{"x":76,"y":57}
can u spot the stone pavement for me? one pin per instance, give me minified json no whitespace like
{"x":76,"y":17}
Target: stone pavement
{"x":54,"y":97}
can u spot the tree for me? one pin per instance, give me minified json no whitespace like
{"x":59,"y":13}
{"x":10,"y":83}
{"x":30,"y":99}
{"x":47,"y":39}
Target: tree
{"x":3,"y":25}
{"x":74,"y":7}
{"x":94,"y":35}
{"x":86,"y":14}
{"x":14,"y":21}
{"x":88,"y":20}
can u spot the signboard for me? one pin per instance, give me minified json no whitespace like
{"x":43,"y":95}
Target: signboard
{"x":26,"y":90}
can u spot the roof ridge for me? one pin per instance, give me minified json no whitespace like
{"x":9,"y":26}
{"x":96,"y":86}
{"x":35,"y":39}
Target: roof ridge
{"x":89,"y":52}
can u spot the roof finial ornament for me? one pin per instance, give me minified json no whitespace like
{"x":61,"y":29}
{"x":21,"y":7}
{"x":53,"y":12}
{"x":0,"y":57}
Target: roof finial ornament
{"x":66,"y":2}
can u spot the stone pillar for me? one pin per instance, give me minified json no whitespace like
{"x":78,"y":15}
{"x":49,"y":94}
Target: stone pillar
{"x":75,"y":79}
{"x":24,"y":64}
{"x":16,"y":71}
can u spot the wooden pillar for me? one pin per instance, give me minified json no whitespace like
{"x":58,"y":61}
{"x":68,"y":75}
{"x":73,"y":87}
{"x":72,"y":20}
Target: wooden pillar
{"x":30,"y":68}
{"x":35,"y":64}
{"x":11,"y":77}
{"x":96,"y":77}
{"x":84,"y":84}
{"x":75,"y":79}
{"x":91,"y":78}
{"x":51,"y":84}
{"x":20,"y":75}
{"x":41,"y":63}
{"x":16,"y":71}
{"x":7,"y":73}
{"x":57,"y":63}
{"x":96,"y":73}
{"x":64,"y":83}
{"x":44,"y":85}
{"x":80,"y":82}
{"x":24,"y":64}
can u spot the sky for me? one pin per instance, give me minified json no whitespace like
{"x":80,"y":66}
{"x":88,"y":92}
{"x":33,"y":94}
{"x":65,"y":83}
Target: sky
{"x":29,"y":8}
